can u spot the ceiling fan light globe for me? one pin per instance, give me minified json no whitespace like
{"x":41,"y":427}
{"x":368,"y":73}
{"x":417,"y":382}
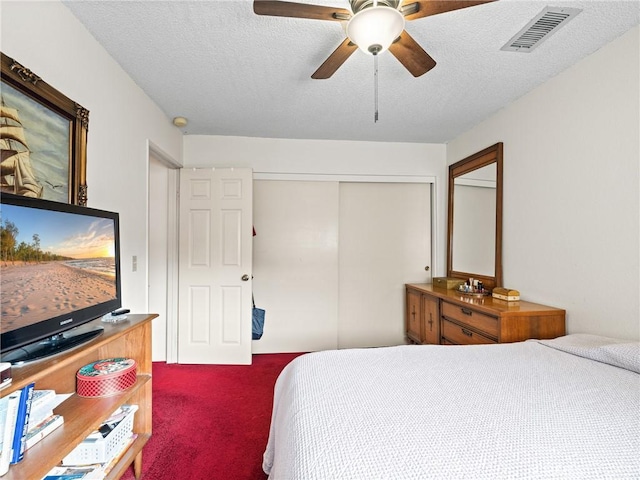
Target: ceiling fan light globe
{"x":374,"y":29}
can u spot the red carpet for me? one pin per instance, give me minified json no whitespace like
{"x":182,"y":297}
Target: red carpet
{"x":210,"y":422}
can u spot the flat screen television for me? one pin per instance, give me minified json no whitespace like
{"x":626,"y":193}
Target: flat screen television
{"x":59,"y":269}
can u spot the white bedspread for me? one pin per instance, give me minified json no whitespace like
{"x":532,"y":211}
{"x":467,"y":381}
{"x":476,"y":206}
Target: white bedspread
{"x":565,"y":408}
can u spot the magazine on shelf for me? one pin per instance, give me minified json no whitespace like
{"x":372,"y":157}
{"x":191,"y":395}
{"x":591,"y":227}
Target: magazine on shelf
{"x":86,"y":472}
{"x":8,"y":416}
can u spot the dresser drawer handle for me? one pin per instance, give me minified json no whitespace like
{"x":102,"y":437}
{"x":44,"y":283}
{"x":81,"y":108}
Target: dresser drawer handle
{"x":467,"y":332}
{"x":466,"y":311}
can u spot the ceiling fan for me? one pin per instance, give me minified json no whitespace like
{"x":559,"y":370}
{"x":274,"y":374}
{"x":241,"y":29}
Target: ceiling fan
{"x":373,"y":26}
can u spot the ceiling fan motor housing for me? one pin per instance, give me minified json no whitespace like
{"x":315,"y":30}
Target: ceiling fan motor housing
{"x":359,"y":5}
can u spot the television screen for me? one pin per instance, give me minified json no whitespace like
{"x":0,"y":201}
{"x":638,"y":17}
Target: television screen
{"x":59,"y":267}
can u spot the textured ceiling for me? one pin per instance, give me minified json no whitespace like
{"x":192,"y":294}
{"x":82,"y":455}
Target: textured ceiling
{"x":231,"y":72}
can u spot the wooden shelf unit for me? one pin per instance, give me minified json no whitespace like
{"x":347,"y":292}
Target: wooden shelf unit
{"x":129,"y":339}
{"x":437,"y":315}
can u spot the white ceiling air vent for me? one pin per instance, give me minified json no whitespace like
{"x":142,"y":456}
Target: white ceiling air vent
{"x":540,"y":28}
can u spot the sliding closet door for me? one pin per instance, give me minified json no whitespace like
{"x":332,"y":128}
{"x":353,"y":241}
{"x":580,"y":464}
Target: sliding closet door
{"x":385,"y":242}
{"x":330,"y":261}
{"x":295,"y":264}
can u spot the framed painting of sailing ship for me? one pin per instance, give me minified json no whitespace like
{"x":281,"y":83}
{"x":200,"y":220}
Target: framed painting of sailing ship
{"x":43,"y":138}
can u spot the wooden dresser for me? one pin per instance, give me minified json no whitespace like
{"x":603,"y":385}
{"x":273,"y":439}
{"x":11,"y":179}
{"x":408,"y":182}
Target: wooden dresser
{"x":439,"y":316}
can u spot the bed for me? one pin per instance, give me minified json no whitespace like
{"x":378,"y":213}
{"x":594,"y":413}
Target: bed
{"x":562,"y":408}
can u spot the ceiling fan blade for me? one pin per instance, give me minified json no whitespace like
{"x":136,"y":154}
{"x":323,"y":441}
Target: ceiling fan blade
{"x":426,"y":8}
{"x":299,"y":10}
{"x":412,"y":55}
{"x":335,"y":60}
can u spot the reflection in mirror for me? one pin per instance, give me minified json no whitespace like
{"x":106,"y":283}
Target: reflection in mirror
{"x":474,"y":241}
{"x":474,"y":221}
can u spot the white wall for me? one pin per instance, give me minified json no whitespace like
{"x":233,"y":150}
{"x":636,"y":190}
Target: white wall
{"x":571,"y":190}
{"x":46,"y":38}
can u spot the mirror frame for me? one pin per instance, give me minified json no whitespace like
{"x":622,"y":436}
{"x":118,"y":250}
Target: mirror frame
{"x":478,"y":160}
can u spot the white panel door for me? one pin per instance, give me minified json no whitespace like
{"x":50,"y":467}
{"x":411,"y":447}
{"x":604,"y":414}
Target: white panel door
{"x":214,"y":324}
{"x":385,"y":242}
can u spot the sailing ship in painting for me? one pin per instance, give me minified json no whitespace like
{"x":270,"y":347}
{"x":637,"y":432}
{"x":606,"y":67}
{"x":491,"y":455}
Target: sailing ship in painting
{"x":16,"y":173}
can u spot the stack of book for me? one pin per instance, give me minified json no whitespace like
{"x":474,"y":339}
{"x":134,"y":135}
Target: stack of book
{"x":26,"y":417}
{"x":42,"y":420}
{"x":94,"y":458}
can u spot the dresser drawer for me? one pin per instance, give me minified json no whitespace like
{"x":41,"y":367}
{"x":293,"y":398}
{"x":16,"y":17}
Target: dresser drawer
{"x":466,"y":315}
{"x":457,"y":334}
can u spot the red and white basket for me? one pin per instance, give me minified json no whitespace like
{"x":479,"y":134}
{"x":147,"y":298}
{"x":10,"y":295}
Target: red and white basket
{"x":106,"y":377}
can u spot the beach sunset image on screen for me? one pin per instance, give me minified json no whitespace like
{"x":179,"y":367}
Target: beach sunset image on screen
{"x":53,"y":263}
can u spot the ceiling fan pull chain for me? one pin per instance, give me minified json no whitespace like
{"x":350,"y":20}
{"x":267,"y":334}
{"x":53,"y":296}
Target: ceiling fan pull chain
{"x":375,"y":87}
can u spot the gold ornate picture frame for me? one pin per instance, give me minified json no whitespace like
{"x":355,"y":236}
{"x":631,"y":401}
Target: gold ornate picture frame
{"x":43,"y":138}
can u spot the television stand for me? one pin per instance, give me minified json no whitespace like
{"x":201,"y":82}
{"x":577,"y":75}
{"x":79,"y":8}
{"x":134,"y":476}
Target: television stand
{"x":130,"y":339}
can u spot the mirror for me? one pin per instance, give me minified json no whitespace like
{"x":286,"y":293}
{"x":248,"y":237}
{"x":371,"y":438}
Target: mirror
{"x":474,"y":244}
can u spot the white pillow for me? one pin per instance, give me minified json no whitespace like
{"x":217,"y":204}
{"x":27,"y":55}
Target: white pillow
{"x":619,"y":353}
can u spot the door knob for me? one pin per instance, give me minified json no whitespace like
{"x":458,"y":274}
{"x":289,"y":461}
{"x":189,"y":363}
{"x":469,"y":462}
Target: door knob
{"x":426,"y":268}
{"x":245,"y":278}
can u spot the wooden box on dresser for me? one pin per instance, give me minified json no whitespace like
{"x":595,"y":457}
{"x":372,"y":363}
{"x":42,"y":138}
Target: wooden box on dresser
{"x":130,"y":339}
{"x":437,"y":315}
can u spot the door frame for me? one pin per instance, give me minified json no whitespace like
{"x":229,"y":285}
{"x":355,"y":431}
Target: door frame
{"x":173,"y":167}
